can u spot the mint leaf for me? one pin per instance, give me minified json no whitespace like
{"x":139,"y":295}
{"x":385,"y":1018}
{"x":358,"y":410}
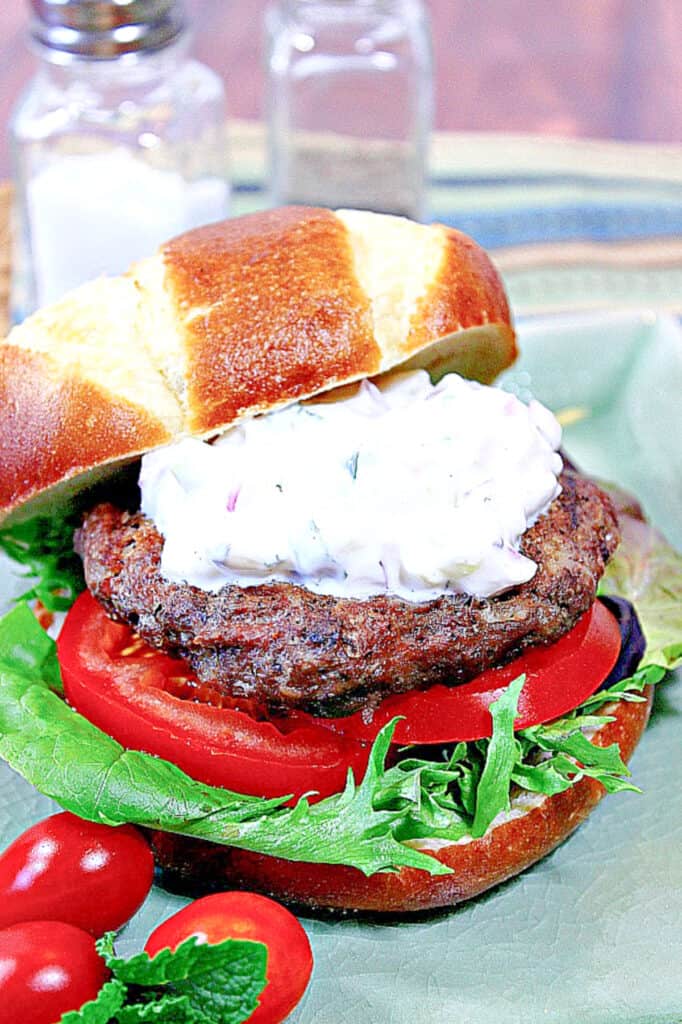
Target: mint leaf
{"x":492,"y":794}
{"x":150,"y":1004}
{"x":217,"y":983}
{"x":198,"y":983}
{"x":109,"y":1001}
{"x":227,"y":990}
{"x":189,"y":959}
{"x":160,"y":1009}
{"x":45,"y":546}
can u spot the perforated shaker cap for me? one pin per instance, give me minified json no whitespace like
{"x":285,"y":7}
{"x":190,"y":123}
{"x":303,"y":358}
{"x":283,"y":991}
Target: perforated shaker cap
{"x":105,"y":29}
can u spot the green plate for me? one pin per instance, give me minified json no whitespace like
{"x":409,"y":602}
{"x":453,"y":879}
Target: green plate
{"x":592,"y":934}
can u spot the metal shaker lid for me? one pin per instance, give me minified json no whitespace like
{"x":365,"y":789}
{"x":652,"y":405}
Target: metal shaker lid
{"x":105,"y":29}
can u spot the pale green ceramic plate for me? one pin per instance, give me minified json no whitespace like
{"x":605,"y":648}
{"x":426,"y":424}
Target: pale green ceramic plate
{"x":593,"y":934}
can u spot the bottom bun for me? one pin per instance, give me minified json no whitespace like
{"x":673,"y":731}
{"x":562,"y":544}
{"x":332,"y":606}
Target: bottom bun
{"x":532,"y":829}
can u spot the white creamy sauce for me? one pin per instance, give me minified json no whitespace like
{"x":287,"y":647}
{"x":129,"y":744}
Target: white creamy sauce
{"x":412,"y":489}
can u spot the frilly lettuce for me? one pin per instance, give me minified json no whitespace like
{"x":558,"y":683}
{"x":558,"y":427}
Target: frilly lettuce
{"x":647,"y":571}
{"x":366,"y":826}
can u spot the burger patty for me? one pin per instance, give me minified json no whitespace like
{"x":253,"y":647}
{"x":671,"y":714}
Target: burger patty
{"x":287,"y":647}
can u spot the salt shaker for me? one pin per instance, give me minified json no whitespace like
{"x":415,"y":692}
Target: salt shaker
{"x":118,"y":143}
{"x":350,"y":87}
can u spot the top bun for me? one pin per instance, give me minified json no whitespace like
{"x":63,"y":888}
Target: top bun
{"x":230,"y":320}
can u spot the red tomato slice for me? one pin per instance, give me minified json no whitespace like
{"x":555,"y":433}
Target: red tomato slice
{"x":558,"y":678}
{"x":148,"y":701}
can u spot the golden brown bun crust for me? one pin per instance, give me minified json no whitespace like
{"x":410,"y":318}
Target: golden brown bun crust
{"x":286,"y":315}
{"x":73,"y":427}
{"x":231,"y":320}
{"x":502,"y":853}
{"x":466,"y":284}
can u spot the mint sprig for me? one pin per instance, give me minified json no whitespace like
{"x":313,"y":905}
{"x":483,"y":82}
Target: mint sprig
{"x":197,"y":983}
{"x":159,"y":1009}
{"x":102,"y":1009}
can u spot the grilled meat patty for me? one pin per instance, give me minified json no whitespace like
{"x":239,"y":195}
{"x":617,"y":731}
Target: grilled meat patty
{"x":289,"y":648}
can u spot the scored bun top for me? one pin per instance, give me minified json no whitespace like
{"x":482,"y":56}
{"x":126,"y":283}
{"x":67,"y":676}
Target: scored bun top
{"x":231,"y":320}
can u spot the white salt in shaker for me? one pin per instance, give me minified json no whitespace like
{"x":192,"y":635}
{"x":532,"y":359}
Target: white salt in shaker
{"x":118,"y":143}
{"x":350,"y":86}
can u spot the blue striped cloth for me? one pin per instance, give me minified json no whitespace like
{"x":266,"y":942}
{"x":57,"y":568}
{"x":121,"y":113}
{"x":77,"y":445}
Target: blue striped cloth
{"x":572,"y":224}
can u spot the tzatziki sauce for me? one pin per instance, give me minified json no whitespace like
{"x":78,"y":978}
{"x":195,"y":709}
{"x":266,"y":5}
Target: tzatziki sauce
{"x":403,"y":488}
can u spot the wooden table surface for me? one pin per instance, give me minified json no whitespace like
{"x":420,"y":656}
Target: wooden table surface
{"x":567,"y":67}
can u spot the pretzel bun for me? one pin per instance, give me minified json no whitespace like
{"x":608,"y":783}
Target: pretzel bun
{"x":532,"y":829}
{"x":231,"y":320}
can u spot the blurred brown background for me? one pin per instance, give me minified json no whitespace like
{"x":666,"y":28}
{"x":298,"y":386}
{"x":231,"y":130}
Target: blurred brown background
{"x":610,"y":69}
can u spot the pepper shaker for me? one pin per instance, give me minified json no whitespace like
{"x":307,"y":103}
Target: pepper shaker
{"x":118,"y":143}
{"x":350,"y":87}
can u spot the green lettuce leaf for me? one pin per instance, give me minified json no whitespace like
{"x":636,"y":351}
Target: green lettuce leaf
{"x":28,"y":650}
{"x":648,"y":572}
{"x":557,"y":755}
{"x":86,"y":771}
{"x":44,"y":545}
{"x":366,"y":826}
{"x":492,"y":794}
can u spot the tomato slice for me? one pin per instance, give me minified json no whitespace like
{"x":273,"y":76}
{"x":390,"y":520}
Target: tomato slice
{"x":558,"y":678}
{"x":151,"y":702}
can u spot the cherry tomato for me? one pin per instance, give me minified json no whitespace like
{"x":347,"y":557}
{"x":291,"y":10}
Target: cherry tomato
{"x":66,"y":869}
{"x":46,"y":969}
{"x":246,"y":915}
{"x":148,"y":701}
{"x":558,"y":678}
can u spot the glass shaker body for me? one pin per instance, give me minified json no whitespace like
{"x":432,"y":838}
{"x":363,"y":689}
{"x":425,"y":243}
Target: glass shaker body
{"x":350,"y":103}
{"x":111,"y":158}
